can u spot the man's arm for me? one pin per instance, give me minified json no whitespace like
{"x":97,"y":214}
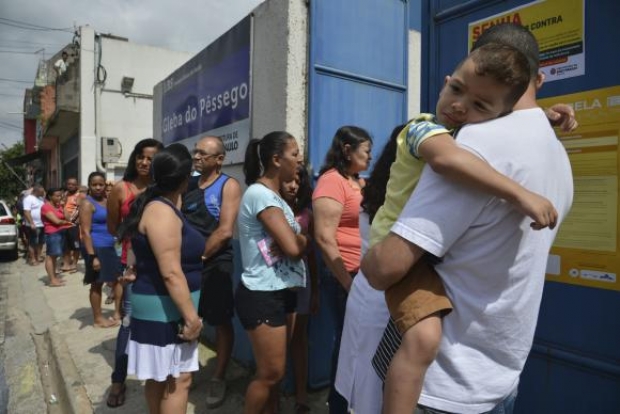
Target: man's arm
{"x":231,"y":197}
{"x":28,"y":213}
{"x":388,"y":261}
{"x":29,"y":218}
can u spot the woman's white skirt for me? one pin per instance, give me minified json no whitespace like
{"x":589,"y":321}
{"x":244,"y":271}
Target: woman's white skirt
{"x":159,"y":362}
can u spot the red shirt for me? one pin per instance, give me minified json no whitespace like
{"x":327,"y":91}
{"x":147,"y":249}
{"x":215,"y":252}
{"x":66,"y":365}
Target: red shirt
{"x":48,"y":226}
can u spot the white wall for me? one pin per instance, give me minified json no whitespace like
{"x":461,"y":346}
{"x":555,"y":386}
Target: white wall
{"x":87,"y":161}
{"x":105,"y":112}
{"x":414,"y":73}
{"x":279,"y":69}
{"x":279,"y":73}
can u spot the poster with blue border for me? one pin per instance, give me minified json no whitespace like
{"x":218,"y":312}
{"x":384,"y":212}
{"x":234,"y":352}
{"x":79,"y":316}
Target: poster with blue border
{"x":210,"y":95}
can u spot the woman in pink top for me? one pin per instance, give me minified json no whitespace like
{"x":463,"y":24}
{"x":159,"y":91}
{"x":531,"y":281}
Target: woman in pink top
{"x":54,"y":225}
{"x":336,"y":204}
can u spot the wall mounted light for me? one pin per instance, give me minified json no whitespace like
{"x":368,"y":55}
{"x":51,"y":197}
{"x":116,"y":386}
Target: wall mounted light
{"x":126,"y":84}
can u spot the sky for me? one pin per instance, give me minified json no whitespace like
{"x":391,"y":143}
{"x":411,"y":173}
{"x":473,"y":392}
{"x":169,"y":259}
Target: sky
{"x":186,"y":25}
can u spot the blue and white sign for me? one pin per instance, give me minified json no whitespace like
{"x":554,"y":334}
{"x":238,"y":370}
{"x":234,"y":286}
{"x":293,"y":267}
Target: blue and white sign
{"x":210,"y":95}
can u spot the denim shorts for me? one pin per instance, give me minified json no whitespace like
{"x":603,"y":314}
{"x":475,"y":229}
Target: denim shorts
{"x":54,"y":243}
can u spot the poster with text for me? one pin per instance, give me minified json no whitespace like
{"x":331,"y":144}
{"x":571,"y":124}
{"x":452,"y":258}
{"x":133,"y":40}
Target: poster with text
{"x":586,"y":250}
{"x":210,"y":95}
{"x":558,"y":25}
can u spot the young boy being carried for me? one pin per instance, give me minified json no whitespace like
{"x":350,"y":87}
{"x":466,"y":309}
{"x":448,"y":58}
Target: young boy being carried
{"x":484,"y":86}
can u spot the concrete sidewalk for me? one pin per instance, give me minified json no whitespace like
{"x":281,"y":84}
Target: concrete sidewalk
{"x":84,"y":355}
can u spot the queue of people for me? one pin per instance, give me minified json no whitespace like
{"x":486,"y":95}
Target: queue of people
{"x":458,"y":246}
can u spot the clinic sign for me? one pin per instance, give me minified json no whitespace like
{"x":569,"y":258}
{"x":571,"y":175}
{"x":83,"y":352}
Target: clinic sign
{"x":558,"y":25}
{"x":210,"y":95}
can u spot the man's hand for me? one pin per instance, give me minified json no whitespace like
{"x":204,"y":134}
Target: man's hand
{"x":388,"y":261}
{"x":563,"y":116}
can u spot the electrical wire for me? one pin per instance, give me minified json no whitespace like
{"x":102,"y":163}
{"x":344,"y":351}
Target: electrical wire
{"x":27,"y":42}
{"x":17,"y":53}
{"x":15,"y":80}
{"x":30,"y":26}
{"x":10,"y":126}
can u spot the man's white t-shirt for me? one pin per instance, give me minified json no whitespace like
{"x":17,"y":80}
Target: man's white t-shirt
{"x":493,"y":263}
{"x":34,"y":204}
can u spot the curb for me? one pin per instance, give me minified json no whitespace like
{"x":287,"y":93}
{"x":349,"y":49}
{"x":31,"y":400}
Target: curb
{"x":70,"y":386}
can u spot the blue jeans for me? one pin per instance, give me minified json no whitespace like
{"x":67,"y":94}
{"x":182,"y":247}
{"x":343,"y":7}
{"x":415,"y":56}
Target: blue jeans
{"x":119,"y":375}
{"x":506,"y":406}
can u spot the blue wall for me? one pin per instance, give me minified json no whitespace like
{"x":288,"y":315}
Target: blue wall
{"x":574,"y":366}
{"x":358,"y":76}
{"x":358,"y":72}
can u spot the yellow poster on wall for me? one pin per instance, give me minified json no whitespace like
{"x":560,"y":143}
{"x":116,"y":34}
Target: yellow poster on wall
{"x":586,"y":250}
{"x":558,"y":25}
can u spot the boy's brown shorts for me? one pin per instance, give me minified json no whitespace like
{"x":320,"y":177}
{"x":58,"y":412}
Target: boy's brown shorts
{"x":418,"y":295}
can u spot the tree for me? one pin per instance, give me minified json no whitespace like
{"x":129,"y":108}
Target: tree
{"x":11,"y":186}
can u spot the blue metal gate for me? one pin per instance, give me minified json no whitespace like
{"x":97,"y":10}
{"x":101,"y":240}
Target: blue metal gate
{"x":574,"y":366}
{"x":357,"y":76}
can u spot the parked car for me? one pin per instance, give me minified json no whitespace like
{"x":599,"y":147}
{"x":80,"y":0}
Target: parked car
{"x":8,"y":232}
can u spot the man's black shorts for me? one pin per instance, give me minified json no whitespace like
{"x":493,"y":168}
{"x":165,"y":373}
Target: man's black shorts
{"x":216,"y":294}
{"x":72,"y":238}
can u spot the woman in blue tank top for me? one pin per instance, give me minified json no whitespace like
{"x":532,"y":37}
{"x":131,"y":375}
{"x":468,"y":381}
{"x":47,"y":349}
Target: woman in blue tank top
{"x":102,"y":263}
{"x":163,"y":347}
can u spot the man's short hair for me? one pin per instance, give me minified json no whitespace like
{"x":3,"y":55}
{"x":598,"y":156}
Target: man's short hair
{"x":516,"y":36}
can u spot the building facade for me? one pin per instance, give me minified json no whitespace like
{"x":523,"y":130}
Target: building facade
{"x":91,"y":116}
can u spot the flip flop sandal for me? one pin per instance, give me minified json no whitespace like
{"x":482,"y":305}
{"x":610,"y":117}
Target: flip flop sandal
{"x":116,"y":399}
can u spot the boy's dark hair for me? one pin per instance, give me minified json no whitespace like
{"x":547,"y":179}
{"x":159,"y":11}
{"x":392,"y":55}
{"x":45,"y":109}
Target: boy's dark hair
{"x":506,"y":65}
{"x":516,"y":36}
